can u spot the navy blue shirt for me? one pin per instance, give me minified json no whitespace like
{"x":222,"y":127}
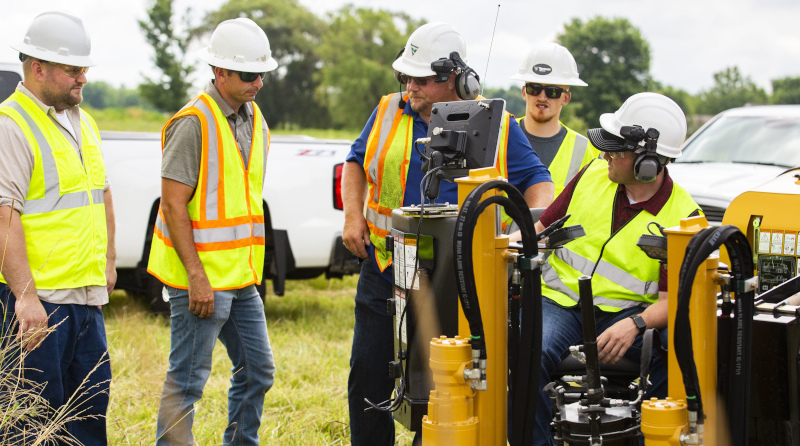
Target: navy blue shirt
{"x":524,"y":167}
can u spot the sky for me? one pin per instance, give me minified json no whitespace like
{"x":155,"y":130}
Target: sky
{"x":689,"y":40}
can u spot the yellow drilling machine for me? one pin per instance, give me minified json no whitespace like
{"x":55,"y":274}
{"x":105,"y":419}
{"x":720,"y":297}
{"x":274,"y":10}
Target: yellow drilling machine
{"x":468,"y":326}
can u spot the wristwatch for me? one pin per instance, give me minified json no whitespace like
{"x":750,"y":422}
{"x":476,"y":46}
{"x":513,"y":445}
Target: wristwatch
{"x":640,"y":323}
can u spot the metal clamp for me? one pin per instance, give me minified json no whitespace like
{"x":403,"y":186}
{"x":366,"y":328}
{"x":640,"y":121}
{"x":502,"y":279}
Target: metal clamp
{"x":747,"y":285}
{"x":531,"y":263}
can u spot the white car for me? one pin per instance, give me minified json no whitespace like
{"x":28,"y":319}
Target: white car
{"x":736,"y":151}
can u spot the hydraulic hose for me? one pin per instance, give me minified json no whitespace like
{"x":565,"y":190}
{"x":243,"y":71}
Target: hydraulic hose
{"x":527,"y":370}
{"x":699,"y":248}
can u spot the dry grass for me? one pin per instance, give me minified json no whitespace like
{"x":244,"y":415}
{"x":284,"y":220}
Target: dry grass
{"x":25,"y":416}
{"x":311,"y":331}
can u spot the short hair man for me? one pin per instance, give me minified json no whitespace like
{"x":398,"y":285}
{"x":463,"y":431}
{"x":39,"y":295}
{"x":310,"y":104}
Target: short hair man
{"x":548,"y":71}
{"x":406,"y":117}
{"x":57,"y":226}
{"x":208,"y":246}
{"x":614,"y":199}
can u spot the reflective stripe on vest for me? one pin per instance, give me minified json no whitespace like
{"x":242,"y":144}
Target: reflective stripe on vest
{"x":226,"y":209}
{"x":574,"y":152}
{"x":218,"y":235}
{"x":386,"y":165}
{"x":623,"y":276}
{"x":63,"y":213}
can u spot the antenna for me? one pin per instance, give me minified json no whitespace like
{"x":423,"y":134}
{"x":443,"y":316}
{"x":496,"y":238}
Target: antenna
{"x":485,"y":73}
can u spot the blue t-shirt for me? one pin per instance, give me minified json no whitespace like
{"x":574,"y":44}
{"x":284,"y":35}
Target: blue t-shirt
{"x":524,"y":167}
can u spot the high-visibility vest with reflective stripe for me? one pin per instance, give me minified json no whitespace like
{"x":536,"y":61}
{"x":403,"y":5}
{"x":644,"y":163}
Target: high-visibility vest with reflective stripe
{"x":226,"y":210}
{"x":63,"y":216}
{"x":575,"y":152}
{"x":624,"y":276}
{"x":386,"y":160}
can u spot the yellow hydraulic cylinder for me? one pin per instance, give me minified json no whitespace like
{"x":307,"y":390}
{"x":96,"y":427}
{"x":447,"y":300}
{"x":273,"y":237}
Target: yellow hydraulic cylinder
{"x":664,"y":421}
{"x":489,"y":251}
{"x":451,"y":419}
{"x":702,"y":319}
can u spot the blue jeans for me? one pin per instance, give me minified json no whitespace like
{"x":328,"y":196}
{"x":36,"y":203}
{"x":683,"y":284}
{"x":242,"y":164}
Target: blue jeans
{"x":63,"y":361}
{"x":373,"y":349}
{"x":239,"y":322}
{"x":562,"y":328}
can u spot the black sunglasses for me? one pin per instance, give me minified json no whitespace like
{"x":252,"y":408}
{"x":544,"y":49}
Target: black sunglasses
{"x":250,"y":77}
{"x":421,"y":81}
{"x":549,"y":91}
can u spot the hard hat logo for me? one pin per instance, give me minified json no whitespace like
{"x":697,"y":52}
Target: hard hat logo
{"x":551,"y":60}
{"x":426,"y":45}
{"x":542,"y":69}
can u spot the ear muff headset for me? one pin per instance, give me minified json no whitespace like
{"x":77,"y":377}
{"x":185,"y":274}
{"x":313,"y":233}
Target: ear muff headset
{"x":468,"y":84}
{"x":647,"y":164}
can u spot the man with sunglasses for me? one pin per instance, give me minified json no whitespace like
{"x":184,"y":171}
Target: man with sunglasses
{"x":383,"y":163}
{"x":56,"y":233}
{"x":548,"y":71}
{"x":208,"y":244}
{"x":615,"y":199}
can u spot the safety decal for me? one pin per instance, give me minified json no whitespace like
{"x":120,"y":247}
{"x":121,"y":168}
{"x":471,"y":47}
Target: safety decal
{"x":777,"y":243}
{"x":763,"y":241}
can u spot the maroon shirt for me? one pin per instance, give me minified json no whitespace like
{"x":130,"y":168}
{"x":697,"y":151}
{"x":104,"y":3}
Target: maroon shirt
{"x":624,"y":211}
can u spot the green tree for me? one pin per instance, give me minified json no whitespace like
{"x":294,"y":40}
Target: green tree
{"x":731,"y":89}
{"x":287,"y":98}
{"x":612,"y":57}
{"x":682,"y":97}
{"x":786,"y":90}
{"x":357,"y":53}
{"x":167,"y":91}
{"x":513,"y":96}
{"x":102,"y":95}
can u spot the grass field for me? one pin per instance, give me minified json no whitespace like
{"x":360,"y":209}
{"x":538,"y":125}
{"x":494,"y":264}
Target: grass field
{"x":310,"y":329}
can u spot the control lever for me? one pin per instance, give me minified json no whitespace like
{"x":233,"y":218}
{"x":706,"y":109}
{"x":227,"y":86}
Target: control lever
{"x":553,"y":226}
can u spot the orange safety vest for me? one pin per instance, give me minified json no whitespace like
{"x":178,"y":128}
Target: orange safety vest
{"x":226,"y":210}
{"x":389,"y":147}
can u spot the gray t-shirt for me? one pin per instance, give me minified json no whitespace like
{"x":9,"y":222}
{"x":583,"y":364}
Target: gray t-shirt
{"x":546,"y":148}
{"x":183,"y":144}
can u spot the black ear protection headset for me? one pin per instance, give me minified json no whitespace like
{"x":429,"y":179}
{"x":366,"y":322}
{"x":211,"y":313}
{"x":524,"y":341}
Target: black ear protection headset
{"x":468,"y":84}
{"x":647,"y":164}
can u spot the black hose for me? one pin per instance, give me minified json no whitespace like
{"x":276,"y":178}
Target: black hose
{"x":528,"y":364}
{"x":699,"y":248}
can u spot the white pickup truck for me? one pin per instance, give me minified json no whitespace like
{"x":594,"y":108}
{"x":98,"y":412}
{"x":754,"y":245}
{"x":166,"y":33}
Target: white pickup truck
{"x":300,"y":204}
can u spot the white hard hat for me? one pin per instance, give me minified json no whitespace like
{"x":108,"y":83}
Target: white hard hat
{"x":549,"y":63}
{"x":647,"y":110}
{"x":429,"y":43}
{"x":59,"y":37}
{"x":239,"y":45}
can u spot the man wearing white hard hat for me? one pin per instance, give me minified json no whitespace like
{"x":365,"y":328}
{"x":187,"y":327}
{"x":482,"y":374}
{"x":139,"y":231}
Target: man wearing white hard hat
{"x":615,"y":199}
{"x":548,"y":71}
{"x":382,"y":173}
{"x":57,"y":232}
{"x":208,"y":245}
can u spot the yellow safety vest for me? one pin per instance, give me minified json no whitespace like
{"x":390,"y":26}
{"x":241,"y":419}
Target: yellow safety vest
{"x":226,"y":210}
{"x":575,"y":152}
{"x":624,"y":276}
{"x":63,"y":217}
{"x":389,"y":147}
